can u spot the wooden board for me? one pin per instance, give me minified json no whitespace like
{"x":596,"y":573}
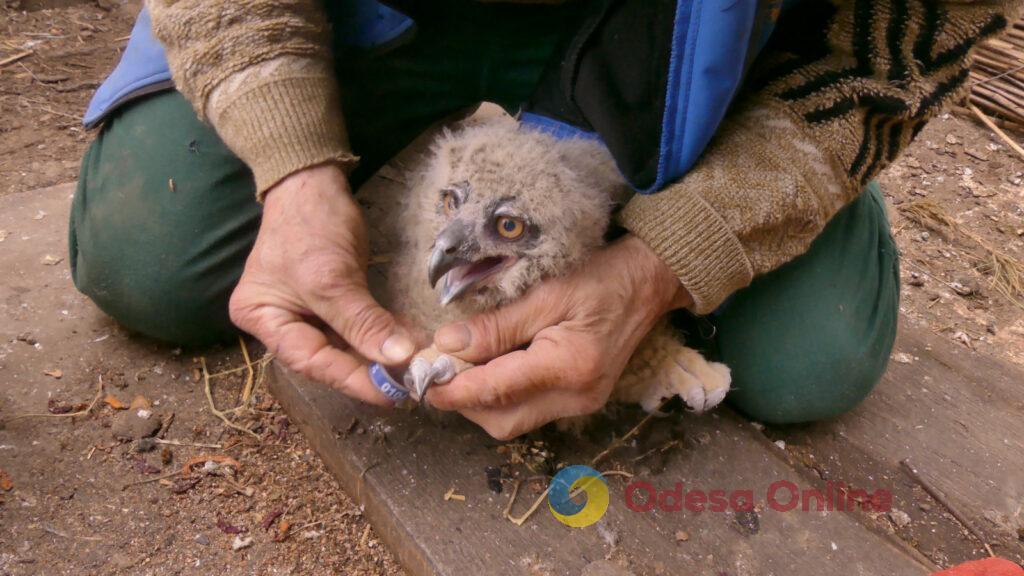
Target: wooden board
{"x":958,"y":416}
{"x":403,"y":463}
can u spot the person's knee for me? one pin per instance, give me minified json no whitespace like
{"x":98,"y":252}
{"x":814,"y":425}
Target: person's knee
{"x":820,"y":385}
{"x":162,"y":221}
{"x":170,"y":303}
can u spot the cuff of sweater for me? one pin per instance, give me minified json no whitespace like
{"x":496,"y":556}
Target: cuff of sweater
{"x":689,"y":236}
{"x":285,"y":125}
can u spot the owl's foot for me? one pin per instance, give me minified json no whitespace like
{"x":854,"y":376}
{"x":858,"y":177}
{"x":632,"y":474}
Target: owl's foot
{"x":702,"y":385}
{"x":430,"y":367}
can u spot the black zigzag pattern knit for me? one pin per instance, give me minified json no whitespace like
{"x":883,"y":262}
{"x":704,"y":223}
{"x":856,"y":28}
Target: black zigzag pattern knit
{"x":894,"y":80}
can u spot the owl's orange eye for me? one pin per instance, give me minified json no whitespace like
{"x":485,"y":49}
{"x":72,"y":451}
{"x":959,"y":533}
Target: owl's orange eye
{"x":510,"y":228}
{"x":449,"y":202}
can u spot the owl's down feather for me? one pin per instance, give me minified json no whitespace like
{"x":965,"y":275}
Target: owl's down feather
{"x":497,"y":208}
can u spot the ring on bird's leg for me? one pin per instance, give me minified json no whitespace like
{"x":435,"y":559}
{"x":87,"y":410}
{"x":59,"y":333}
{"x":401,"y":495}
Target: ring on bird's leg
{"x":387,"y":385}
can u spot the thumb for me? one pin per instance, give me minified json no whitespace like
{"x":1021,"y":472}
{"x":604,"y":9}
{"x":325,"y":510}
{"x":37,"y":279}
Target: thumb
{"x":491,"y":334}
{"x":366,"y":326}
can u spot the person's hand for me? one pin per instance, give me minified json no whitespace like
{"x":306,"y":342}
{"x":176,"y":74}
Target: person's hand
{"x":304,"y":285}
{"x":581,"y":330}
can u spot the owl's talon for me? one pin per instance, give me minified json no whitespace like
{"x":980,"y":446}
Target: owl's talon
{"x":417,"y":377}
{"x":423,"y":373}
{"x":443,"y":369}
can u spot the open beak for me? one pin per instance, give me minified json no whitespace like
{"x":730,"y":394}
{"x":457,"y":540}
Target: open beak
{"x":451,"y":265}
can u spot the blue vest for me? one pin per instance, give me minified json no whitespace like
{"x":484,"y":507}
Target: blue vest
{"x":711,"y":44}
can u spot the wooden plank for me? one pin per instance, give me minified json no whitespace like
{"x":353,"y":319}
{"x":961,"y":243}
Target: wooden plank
{"x":958,"y":416}
{"x":403,"y":463}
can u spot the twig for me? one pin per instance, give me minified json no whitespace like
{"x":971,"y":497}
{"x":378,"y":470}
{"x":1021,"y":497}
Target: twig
{"x":165,"y":425}
{"x":540,"y":499}
{"x":934,"y":493}
{"x":154,"y":479}
{"x":593,"y":462}
{"x":661,"y":448}
{"x":308,"y":525}
{"x":16,"y":57}
{"x":213,"y":407}
{"x":250,"y":376}
{"x":536,"y":504}
{"x":99,"y":394}
{"x":618,"y":443}
{"x":998,"y":76}
{"x":929,"y":274}
{"x":186,"y":444}
{"x":512,"y":499}
{"x":992,"y":126}
{"x":55,"y":532}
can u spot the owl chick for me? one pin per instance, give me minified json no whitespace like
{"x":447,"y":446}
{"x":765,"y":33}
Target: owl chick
{"x":498,"y":208}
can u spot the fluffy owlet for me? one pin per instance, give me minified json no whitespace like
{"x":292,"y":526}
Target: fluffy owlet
{"x":498,"y":208}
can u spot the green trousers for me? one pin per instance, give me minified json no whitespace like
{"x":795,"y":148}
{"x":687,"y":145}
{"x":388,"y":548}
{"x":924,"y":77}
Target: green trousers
{"x":164,"y":217}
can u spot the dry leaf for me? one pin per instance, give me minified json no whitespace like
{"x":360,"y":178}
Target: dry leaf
{"x":218,"y":458}
{"x":282,"y":530}
{"x":114,"y":403}
{"x":55,"y":373}
{"x":50,"y":260}
{"x":5,"y":481}
{"x":140,"y":402}
{"x":39,"y":215}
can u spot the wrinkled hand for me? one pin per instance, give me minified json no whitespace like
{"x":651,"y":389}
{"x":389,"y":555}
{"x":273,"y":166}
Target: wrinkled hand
{"x":581,"y":330}
{"x":304,"y":285}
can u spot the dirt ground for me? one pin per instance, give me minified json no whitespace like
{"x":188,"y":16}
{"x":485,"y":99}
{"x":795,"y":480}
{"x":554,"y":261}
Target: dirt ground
{"x":68,"y":513}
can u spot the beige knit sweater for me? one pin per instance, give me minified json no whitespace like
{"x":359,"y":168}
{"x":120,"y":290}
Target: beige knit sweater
{"x":846,"y":86}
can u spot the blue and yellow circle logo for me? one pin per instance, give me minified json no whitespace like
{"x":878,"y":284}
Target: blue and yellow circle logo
{"x":569,"y":483}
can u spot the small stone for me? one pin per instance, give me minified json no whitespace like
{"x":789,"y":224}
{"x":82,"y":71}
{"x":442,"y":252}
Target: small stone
{"x":747,"y":521}
{"x":899,"y":518}
{"x":951,"y":139}
{"x":976,"y":153}
{"x":682,"y":536}
{"x":202,"y":539}
{"x":916,"y":280}
{"x":924,"y":236}
{"x":129,"y":426}
{"x":903,"y":358}
{"x":238,"y":543}
{"x":781,"y":444}
{"x":925,"y":507}
{"x":968,"y":286}
{"x":144,"y":414}
{"x":962,"y":337}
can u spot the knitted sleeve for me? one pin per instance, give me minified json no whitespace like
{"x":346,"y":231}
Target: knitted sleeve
{"x":843,"y":87}
{"x":261,"y":72}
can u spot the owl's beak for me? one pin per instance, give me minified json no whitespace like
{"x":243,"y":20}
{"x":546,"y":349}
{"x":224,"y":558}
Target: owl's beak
{"x":449,"y":251}
{"x":450,"y":263}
